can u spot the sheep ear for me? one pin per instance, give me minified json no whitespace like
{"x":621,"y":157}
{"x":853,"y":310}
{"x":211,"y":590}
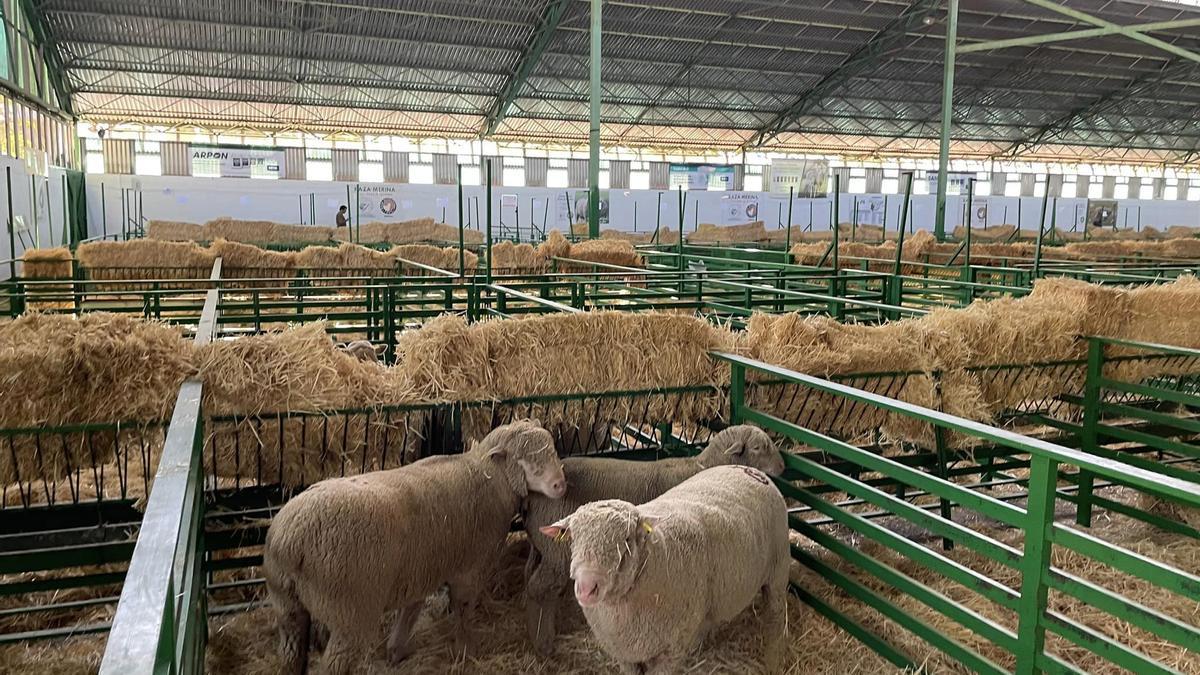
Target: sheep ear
{"x":558,"y":531}
{"x":737,"y":449}
{"x":648,"y":523}
{"x":380,"y":349}
{"x":498,"y":454}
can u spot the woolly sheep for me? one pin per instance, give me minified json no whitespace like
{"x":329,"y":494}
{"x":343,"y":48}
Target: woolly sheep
{"x":654,"y":579}
{"x":547,"y":577}
{"x":346,"y":550}
{"x":363,"y":350}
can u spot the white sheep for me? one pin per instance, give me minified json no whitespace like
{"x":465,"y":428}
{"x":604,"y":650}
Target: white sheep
{"x":346,"y":550}
{"x":363,"y":350}
{"x":654,"y":579}
{"x":547,"y":577}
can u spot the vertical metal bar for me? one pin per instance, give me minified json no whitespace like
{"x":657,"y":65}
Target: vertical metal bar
{"x":594,"y":136}
{"x":12,"y":241}
{"x":970,"y":218}
{"x":300,"y":198}
{"x":141,"y":213}
{"x":939,"y":226}
{"x":1035,"y":564}
{"x":488,"y":195}
{"x":1037,"y":251}
{"x":854,"y":221}
{"x":679,"y":244}
{"x":635,"y":204}
{"x":658,"y":218}
{"x":69,"y":239}
{"x":124,"y":216}
{"x":883,"y":235}
{"x":737,"y":392}
{"x":1089,"y":434}
{"x":103,"y":210}
{"x":837,"y":186}
{"x":791,"y":202}
{"x":903,"y":221}
{"x":461,"y":254}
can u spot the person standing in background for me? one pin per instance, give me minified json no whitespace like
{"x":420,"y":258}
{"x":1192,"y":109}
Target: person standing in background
{"x":342,"y":220}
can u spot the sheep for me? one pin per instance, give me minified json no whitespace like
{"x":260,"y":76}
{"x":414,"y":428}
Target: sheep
{"x":363,"y":350}
{"x":654,"y":579}
{"x":589,"y":479}
{"x":346,"y":550}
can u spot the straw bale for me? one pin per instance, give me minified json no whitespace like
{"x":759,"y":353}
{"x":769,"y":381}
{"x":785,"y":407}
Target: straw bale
{"x":170,"y":230}
{"x":511,"y":258}
{"x":346,"y":256}
{"x":143,"y":253}
{"x":1165,"y":313}
{"x":46,"y":263}
{"x":607,"y":251}
{"x":412,"y":232}
{"x":241,"y":259}
{"x":631,"y":237}
{"x":708,"y":232}
{"x":991,"y":233}
{"x":100,"y":368}
{"x":445,"y":360}
{"x":1181,"y":232}
{"x":300,"y":234}
{"x":555,"y":246}
{"x":232,"y":229}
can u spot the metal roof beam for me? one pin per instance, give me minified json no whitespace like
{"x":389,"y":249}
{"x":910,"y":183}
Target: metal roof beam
{"x":1174,"y":69}
{"x":864,"y":58}
{"x":1130,"y":32}
{"x":539,"y":40}
{"x":50,"y":54}
{"x":1072,"y":35}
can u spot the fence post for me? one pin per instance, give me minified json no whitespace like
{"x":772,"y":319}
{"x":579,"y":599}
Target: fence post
{"x":1091,"y":420}
{"x":1035,"y":563}
{"x":389,"y":323}
{"x":737,"y":392}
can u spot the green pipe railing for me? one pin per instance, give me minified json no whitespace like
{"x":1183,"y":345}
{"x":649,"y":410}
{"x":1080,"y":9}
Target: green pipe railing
{"x":1023,"y":643}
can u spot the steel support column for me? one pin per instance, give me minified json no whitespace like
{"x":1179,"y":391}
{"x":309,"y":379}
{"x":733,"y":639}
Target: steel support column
{"x":594,"y":137}
{"x":939,"y":227}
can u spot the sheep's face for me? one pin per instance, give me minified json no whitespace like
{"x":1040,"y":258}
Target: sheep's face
{"x":531,"y":448}
{"x":744,"y":445}
{"x":608,"y":548}
{"x":364,"y":350}
{"x":544,"y":474}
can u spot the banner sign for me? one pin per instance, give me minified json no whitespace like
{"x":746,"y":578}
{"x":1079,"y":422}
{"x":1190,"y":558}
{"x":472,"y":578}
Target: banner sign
{"x":378,"y":202}
{"x":581,"y":207}
{"x":701,"y":177}
{"x":809,"y":177}
{"x":870,"y":209}
{"x":979,"y":213}
{"x":238,"y":162}
{"x":739,"y":209}
{"x":1102,"y":213}
{"x":956,"y":183}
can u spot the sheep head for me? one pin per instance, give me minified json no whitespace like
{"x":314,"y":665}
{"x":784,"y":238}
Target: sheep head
{"x":743,"y":445}
{"x":609,"y":543}
{"x":526,"y":452}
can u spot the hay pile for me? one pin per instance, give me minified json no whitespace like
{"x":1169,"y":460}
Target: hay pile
{"x":510,"y":258}
{"x":231,"y":229}
{"x":916,"y":245}
{"x":997,"y":233}
{"x":171,"y":230}
{"x":606,"y":251}
{"x":346,"y":256}
{"x":237,"y":256}
{"x":413,"y":232}
{"x":46,"y":263}
{"x":426,"y":254}
{"x":555,"y":246}
{"x":709,"y":233}
{"x":138,"y":253}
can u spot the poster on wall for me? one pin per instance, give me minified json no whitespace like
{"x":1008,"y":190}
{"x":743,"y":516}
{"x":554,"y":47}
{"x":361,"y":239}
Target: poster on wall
{"x":562,"y":209}
{"x":701,"y":177}
{"x":809,"y":177}
{"x":739,"y":209}
{"x":1102,"y":213}
{"x":239,"y":162}
{"x":581,"y":207}
{"x":979,"y":213}
{"x":956,"y":183}
{"x":870,"y":210}
{"x":378,"y":202}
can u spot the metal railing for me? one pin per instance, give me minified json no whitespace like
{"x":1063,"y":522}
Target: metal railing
{"x":1014,"y":636}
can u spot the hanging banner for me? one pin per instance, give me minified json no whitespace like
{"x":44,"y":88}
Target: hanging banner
{"x":979,"y":213}
{"x":238,"y":162}
{"x":378,"y":202}
{"x":739,"y":209}
{"x":809,"y":177}
{"x":870,"y":209}
{"x":956,"y":183}
{"x":562,"y":210}
{"x":701,"y":177}
{"x":581,"y":207}
{"x":1102,"y":213}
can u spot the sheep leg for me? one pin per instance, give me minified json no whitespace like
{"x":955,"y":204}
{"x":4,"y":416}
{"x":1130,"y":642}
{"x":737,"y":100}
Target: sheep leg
{"x":344,"y":652}
{"x":399,"y":645}
{"x":543,"y":592}
{"x":464,"y":595}
{"x":665,"y":664}
{"x":775,"y":621}
{"x":294,"y":625}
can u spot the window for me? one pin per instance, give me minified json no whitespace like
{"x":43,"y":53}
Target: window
{"x":147,"y":158}
{"x":1122,"y":189}
{"x":639,"y":179}
{"x":1194,"y":192}
{"x":514,"y":176}
{"x":557,"y":178}
{"x":370,"y":166}
{"x":318,"y":164}
{"x":1146,"y":191}
{"x":1012,"y":186}
{"x":605,"y":182}
{"x":472,"y":174}
{"x":1070,"y":187}
{"x":1096,"y":188}
{"x":93,"y":155}
{"x":858,"y":181}
{"x":421,"y":174}
{"x":1171,"y":189}
{"x":891,"y":181}
{"x":921,"y":183}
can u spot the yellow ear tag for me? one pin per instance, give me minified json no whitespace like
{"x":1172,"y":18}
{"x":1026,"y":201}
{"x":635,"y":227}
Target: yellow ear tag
{"x":646,"y":526}
{"x":562,"y":536}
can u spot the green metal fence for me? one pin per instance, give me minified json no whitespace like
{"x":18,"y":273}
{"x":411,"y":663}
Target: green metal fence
{"x":1019,"y":642}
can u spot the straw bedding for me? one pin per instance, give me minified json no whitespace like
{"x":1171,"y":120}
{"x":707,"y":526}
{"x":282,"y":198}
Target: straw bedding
{"x":710,"y":233}
{"x":414,"y":232}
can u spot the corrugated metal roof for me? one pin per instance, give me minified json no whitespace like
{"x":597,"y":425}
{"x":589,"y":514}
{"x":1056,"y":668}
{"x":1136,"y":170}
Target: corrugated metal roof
{"x":717,"y":70}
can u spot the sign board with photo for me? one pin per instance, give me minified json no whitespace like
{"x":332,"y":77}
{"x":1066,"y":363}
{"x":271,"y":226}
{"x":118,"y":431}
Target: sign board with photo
{"x":378,"y":202}
{"x":238,"y":162}
{"x":701,"y":177}
{"x":739,"y":209}
{"x":979,"y":213}
{"x":870,"y":209}
{"x":581,"y":207}
{"x":809,"y":177}
{"x":1102,"y":213}
{"x":956,"y":183}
